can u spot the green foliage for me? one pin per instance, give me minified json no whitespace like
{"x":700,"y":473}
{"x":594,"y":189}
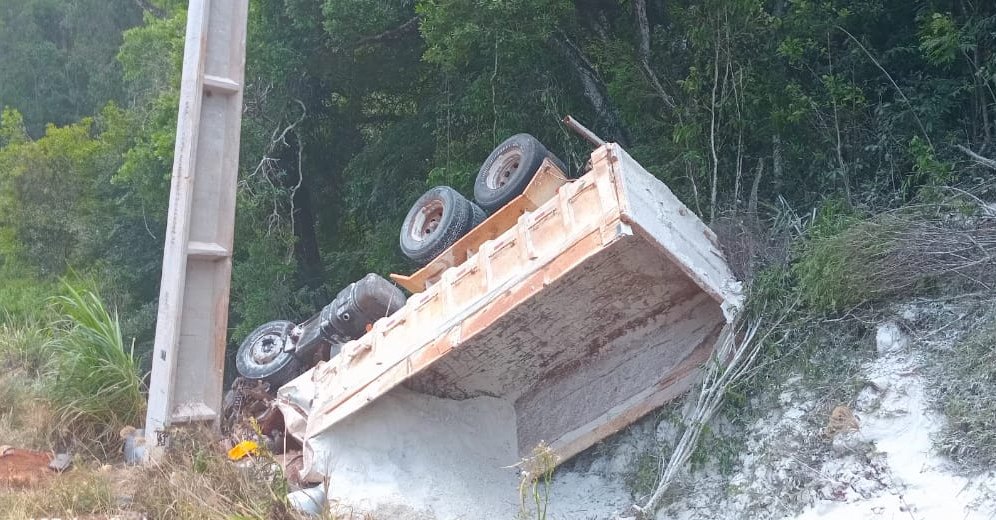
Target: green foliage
{"x":353,"y":108}
{"x":152,"y":54}
{"x":96,"y":385}
{"x":940,"y":39}
{"x":830,"y":277}
{"x":928,"y":171}
{"x":59,"y":61}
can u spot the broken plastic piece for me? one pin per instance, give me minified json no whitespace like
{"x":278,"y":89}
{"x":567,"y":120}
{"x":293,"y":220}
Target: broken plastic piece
{"x":243,"y":449}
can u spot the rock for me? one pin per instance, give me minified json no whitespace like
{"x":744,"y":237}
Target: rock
{"x":868,"y":399}
{"x":890,"y":338}
{"x":849,"y":443}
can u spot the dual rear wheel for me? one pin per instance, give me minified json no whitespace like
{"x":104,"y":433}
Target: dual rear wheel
{"x":441,"y":216}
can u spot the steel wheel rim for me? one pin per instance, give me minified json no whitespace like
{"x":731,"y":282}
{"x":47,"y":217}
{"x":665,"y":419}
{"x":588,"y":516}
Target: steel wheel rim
{"x":501,"y":171}
{"x":427,"y":221}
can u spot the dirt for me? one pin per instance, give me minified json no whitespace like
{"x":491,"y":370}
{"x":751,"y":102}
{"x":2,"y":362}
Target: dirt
{"x":23,"y":468}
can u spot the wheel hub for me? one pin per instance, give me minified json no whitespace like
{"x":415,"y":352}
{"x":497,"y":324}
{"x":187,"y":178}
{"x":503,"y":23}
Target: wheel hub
{"x":427,"y":221}
{"x":267,"y":348}
{"x":502,"y":170}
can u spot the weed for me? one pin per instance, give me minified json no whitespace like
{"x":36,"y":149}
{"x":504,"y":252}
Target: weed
{"x":536,"y":477}
{"x":643,"y":480}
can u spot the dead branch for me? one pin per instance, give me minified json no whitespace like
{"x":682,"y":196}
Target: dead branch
{"x":268,"y":169}
{"x":984,"y":161}
{"x":735,"y":353}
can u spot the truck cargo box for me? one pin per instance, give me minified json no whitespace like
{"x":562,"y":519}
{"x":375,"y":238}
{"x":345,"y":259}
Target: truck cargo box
{"x":588,"y":311}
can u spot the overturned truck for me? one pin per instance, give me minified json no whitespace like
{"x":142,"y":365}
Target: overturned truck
{"x":574,"y":309}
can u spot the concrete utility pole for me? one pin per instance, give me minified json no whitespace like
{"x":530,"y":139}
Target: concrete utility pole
{"x":189,"y":355}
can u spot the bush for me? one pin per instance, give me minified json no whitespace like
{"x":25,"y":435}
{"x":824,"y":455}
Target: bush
{"x":845,"y":261}
{"x":95,"y":384}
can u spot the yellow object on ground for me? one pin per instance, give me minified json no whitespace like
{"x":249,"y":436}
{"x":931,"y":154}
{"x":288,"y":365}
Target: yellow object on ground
{"x":240,"y":450}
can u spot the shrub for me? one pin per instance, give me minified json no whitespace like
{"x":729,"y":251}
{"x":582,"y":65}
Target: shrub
{"x":95,"y":381}
{"x":844,"y":261}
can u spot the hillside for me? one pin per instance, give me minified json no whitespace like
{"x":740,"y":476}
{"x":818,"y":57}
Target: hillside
{"x":842,"y":151}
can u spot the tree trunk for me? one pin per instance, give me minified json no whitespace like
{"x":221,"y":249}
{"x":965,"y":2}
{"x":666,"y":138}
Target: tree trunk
{"x":594,"y":90}
{"x":309,"y":260}
{"x":777,"y":164}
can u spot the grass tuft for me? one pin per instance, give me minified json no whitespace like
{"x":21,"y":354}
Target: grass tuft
{"x":95,"y":381}
{"x":845,"y":261}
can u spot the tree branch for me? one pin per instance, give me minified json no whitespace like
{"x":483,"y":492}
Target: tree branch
{"x":643,"y":51}
{"x":390,"y":34}
{"x":984,"y":161}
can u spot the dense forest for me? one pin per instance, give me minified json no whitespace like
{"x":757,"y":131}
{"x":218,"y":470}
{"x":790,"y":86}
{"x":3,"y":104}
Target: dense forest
{"x":755,"y":112}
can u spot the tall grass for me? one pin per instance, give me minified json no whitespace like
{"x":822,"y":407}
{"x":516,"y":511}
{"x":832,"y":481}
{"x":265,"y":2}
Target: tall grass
{"x":96,"y":385}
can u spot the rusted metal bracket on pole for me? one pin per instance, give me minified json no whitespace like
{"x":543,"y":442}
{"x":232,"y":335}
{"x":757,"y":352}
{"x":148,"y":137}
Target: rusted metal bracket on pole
{"x":189,"y":353}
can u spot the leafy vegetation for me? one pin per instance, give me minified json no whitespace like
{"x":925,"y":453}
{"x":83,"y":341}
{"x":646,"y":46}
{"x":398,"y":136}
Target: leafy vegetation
{"x":96,"y":387}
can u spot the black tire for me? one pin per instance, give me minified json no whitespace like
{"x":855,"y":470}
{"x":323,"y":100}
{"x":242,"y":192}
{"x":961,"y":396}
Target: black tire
{"x":508,"y":170}
{"x":479,"y":215}
{"x":437,"y":220}
{"x":261,"y":355}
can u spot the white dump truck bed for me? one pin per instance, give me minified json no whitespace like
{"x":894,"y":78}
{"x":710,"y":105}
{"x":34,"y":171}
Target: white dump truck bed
{"x":593,"y":309}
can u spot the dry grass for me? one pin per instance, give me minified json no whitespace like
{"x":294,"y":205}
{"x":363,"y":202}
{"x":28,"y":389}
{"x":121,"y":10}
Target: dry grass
{"x":964,"y":385}
{"x":26,"y":419}
{"x":85,"y":490}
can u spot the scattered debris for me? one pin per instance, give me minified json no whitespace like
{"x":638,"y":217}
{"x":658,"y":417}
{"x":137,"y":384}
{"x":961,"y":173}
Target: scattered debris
{"x":61,"y":462}
{"x":242,"y":450}
{"x":310,"y":501}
